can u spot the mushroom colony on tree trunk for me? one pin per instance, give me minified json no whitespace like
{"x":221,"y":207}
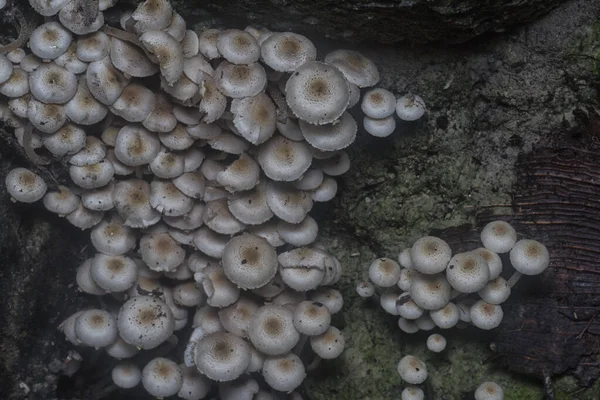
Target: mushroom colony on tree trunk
{"x":193,"y":160}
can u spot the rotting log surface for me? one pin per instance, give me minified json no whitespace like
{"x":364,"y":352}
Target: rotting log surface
{"x":416,"y":21}
{"x":552,"y":322}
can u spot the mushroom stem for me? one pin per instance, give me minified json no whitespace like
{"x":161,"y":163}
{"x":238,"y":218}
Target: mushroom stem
{"x":514,"y":279}
{"x":300,"y":345}
{"x":279,"y":100}
{"x":27,"y":146}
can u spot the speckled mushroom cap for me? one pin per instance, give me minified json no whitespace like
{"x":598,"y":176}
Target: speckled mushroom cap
{"x":167,"y":51}
{"x":301,"y":234}
{"x":329,"y":344}
{"x":250,"y":207}
{"x":236,"y":317}
{"x":6,"y":68}
{"x":238,"y":47}
{"x":493,"y":260}
{"x":272,"y":330}
{"x":283,"y":373}
{"x":25,"y":186}
{"x":287,"y":51}
{"x":113,"y":273}
{"x":249,"y":261}
{"x":282,"y":159}
{"x":51,"y":83}
{"x":130,"y":59}
{"x":288,"y":204}
{"x":529,"y":257}
{"x":384,"y":272}
{"x":446,"y":317}
{"x":222,"y":356}
{"x":436,"y":343}
{"x":311,"y":318}
{"x":160,"y":252}
{"x":239,"y":81}
{"x":410,"y":107}
{"x":412,"y":393}
{"x":412,"y":370}
{"x":467,"y":272}
{"x":498,"y":236}
{"x":430,"y":292}
{"x":317,"y":93}
{"x":489,"y":391}
{"x":95,"y":328}
{"x":486,"y":316}
{"x":255,"y":118}
{"x":330,"y":137}
{"x":145,"y":322}
{"x":132,"y":200}
{"x":162,"y":377}
{"x":357,"y":69}
{"x":496,"y":291}
{"x":126,"y":375}
{"x":430,"y":255}
{"x":378,"y":103}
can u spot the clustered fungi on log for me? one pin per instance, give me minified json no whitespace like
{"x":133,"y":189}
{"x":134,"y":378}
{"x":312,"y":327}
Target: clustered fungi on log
{"x":430,"y":287}
{"x":195,"y":185}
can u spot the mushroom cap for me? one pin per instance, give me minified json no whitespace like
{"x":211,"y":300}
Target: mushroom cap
{"x":430,"y":255}
{"x":6,"y":68}
{"x":51,"y":83}
{"x":96,"y":328}
{"x":357,"y":69}
{"x":301,"y":234}
{"x":311,"y":318}
{"x":239,"y":81}
{"x":498,"y":236}
{"x":412,"y":393}
{"x":160,"y":252}
{"x":250,"y":207}
{"x":412,"y":370}
{"x":84,"y":279}
{"x":529,"y":257}
{"x":16,"y":85}
{"x":445,"y":317}
{"x":405,"y":280}
{"x":221,"y":291}
{"x":218,"y":218}
{"x":249,"y":261}
{"x":407,"y":308}
{"x":152,"y":15}
{"x":162,"y":377}
{"x":330,"y":137}
{"x":467,"y":272}
{"x":92,"y":176}
{"x":46,"y":118}
{"x":332,"y":298}
{"x":132,"y":200}
{"x":283,"y":373}
{"x":486,"y":316}
{"x":84,"y":218}
{"x":62,"y":201}
{"x":135,"y":103}
{"x":287,"y":51}
{"x":489,"y":391}
{"x":93,"y":47}
{"x":410,"y":107}
{"x":493,"y":260}
{"x":50,"y":40}
{"x":383,"y":127}
{"x":365,"y":289}
{"x":378,"y":103}
{"x":282,"y":159}
{"x":210,"y":242}
{"x":104,"y":81}
{"x":272,"y":330}
{"x":167,"y":51}
{"x":145,"y":322}
{"x":222,"y":356}
{"x":255,"y":118}
{"x":384,"y":272}
{"x":126,"y":375}
{"x":195,"y":386}
{"x":328,"y":345}
{"x":436,"y":343}
{"x":430,"y":292}
{"x":131,"y":59}
{"x":135,"y":145}
{"x":113,"y":273}
{"x":83,"y":108}
{"x":238,"y":47}
{"x":25,"y":186}
{"x":288,"y":204}
{"x":236,"y":317}
{"x":496,"y":291}
{"x":79,"y":22}
{"x":317,"y":93}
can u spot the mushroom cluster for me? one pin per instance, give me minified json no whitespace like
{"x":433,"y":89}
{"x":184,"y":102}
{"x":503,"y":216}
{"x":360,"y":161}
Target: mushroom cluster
{"x":430,"y":287}
{"x":194,"y":159}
